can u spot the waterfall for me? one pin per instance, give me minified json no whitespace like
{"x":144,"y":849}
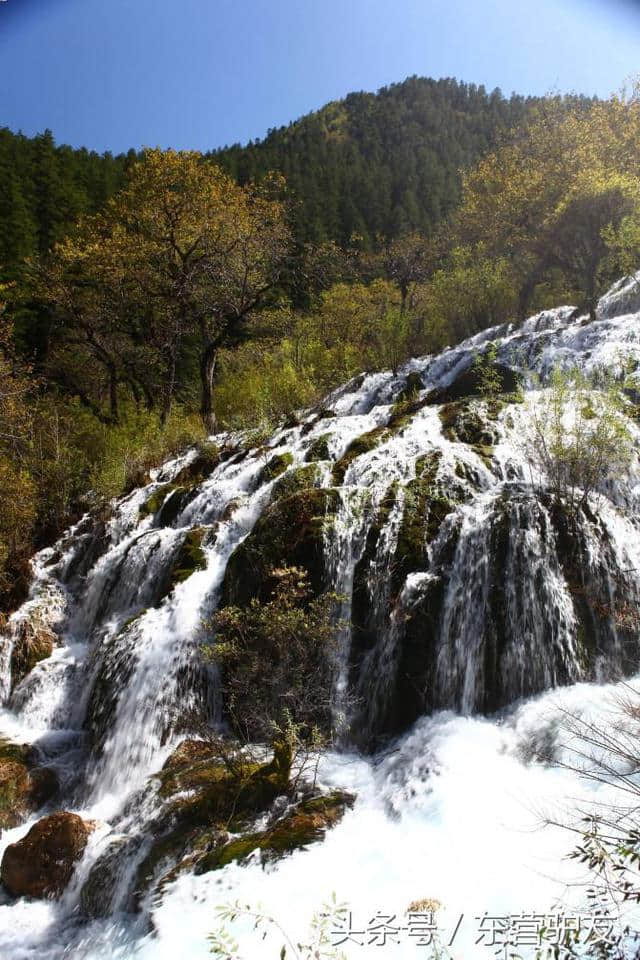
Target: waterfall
{"x":471,"y":616}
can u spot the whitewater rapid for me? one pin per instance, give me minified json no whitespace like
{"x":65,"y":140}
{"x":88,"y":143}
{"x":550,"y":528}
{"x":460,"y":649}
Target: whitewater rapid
{"x":456,"y":811}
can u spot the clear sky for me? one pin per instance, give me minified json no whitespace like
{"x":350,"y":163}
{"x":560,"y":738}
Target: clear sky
{"x":111,"y":74}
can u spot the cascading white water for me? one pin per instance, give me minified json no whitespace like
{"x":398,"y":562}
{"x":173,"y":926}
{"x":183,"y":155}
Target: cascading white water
{"x":480,"y":612}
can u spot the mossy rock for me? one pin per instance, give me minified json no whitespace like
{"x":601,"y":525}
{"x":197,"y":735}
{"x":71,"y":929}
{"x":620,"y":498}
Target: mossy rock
{"x":464,"y":422}
{"x":357,"y":448}
{"x":403,"y":412}
{"x":291,"y":421}
{"x":230,"y":785}
{"x":295,"y":481}
{"x":276,"y":466}
{"x":365,"y":626}
{"x":319,"y":449}
{"x":24,"y":787}
{"x":290,"y":531}
{"x":425,"y":509}
{"x":413,"y":385}
{"x":153,"y":503}
{"x":208,"y":790}
{"x":202,"y":466}
{"x":174,"y":504}
{"x":468,"y":383}
{"x":305,"y":825}
{"x":33,"y":643}
{"x":189,"y":558}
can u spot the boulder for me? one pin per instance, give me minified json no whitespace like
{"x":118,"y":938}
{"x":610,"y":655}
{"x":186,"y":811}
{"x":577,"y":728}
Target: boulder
{"x":32,"y":643}
{"x":23,"y":787}
{"x":290,"y":531}
{"x":42,"y":863}
{"x":468,"y":383}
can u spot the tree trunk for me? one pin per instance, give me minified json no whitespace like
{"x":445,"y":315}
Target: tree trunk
{"x":208,"y":360}
{"x":113,"y":394}
{"x":170,"y":385}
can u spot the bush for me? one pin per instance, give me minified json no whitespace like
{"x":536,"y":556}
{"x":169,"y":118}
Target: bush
{"x":579,"y":435}
{"x":279,"y":660}
{"x":128,"y":451}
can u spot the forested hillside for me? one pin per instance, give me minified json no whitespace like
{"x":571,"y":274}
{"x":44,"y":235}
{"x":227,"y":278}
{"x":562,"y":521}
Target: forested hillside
{"x":381,"y":163}
{"x":371,"y":164}
{"x":44,"y":188}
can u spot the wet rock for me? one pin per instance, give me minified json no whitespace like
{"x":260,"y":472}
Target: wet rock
{"x":207,"y":458}
{"x":42,"y":863}
{"x":361,"y":445}
{"x":276,"y":465}
{"x":32,"y":642}
{"x":209,"y":789}
{"x":307,"y":823}
{"x":97,"y":893}
{"x":190,"y":556}
{"x":468,"y":383}
{"x":319,"y":449}
{"x":295,"y":481}
{"x":413,"y":385}
{"x":291,"y":532}
{"x":24,"y":787}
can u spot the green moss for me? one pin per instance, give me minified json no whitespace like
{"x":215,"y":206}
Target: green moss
{"x":211,"y":797}
{"x":319,"y":449}
{"x":413,"y":385}
{"x":426,"y":507}
{"x":307,"y":824}
{"x":295,"y":481}
{"x":462,"y":421}
{"x":33,"y":643}
{"x":202,"y":466}
{"x":276,"y":465}
{"x":154,"y":502}
{"x":485,"y":452}
{"x":360,"y":446}
{"x":190,"y":557}
{"x":23,"y":787}
{"x":19,"y":752}
{"x":290,"y":531}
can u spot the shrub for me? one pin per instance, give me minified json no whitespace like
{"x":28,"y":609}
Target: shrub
{"x":279,"y":661}
{"x":579,"y":435}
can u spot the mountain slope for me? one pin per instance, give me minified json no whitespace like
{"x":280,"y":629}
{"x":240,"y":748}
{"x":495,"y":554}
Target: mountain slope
{"x":380,"y":163}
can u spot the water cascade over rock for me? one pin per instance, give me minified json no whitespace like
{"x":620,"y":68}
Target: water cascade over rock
{"x":463,"y":590}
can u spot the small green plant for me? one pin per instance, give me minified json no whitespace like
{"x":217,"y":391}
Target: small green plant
{"x":487,"y":374}
{"x":318,"y":944}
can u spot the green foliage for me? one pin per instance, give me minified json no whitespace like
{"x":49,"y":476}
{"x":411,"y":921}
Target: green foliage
{"x":124,"y":454}
{"x":278,"y":660}
{"x":318,"y":945}
{"x":489,"y":379}
{"x":580,"y":437}
{"x":558,"y":201}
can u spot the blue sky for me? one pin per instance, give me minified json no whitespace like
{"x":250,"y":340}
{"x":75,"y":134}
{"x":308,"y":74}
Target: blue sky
{"x":110,"y":74}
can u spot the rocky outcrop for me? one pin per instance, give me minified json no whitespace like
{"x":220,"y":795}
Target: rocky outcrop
{"x":33,"y":641}
{"x":290,"y":531}
{"x":42,"y":863}
{"x":24,"y":786}
{"x":215,"y":795}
